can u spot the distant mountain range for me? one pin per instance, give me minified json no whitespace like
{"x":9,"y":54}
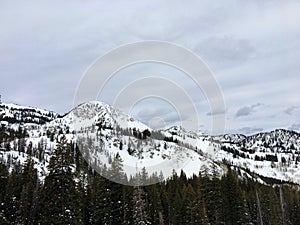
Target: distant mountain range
{"x":102,"y":131}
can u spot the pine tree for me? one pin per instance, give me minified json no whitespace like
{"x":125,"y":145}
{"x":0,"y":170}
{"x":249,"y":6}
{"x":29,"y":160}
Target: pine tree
{"x":28,"y":198}
{"x":59,"y":195}
{"x":99,"y":208}
{"x":3,"y":182}
{"x":190,"y":205}
{"x":234,"y":208}
{"x":140,"y":216}
{"x":12,"y":195}
{"x":155,"y":209}
{"x":175,"y":194}
{"x":117,"y":174}
{"x":211,"y":198}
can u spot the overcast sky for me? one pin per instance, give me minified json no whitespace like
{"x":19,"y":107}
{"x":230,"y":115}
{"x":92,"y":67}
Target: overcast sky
{"x":251,"y":47}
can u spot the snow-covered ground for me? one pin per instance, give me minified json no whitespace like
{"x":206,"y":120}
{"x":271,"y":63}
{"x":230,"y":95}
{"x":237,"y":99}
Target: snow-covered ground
{"x":273,"y":154}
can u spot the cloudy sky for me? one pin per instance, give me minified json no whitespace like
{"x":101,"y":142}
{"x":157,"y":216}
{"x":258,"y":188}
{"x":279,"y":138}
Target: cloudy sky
{"x":251,"y":47}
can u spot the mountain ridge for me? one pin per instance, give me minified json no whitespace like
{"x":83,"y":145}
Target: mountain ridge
{"x":272,"y":154}
{"x":58,"y":115}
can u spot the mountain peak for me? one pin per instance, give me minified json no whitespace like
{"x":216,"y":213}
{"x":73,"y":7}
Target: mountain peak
{"x":100,"y":113}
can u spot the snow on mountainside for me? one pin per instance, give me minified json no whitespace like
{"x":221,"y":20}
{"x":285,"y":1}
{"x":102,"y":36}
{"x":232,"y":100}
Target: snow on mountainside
{"x":274,"y":154}
{"x":101,"y":114}
{"x":115,"y":133}
{"x":16,"y":114}
{"x":103,"y":132}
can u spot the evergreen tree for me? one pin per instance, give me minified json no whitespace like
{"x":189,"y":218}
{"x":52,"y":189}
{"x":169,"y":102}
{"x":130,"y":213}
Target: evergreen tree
{"x":12,"y":195}
{"x":99,"y":207}
{"x":28,"y":199}
{"x":3,"y":182}
{"x":59,"y":200}
{"x":155,"y":208}
{"x":117,"y":174}
{"x":190,"y":206}
{"x":139,"y":212}
{"x":234,"y":207}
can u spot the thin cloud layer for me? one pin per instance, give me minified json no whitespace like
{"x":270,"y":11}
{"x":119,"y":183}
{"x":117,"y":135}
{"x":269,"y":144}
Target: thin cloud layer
{"x":291,"y":109}
{"x":252,"y":48}
{"x":295,"y":126}
{"x":250,"y":130}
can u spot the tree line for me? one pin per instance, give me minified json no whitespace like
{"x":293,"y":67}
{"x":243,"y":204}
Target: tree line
{"x":72,"y":193}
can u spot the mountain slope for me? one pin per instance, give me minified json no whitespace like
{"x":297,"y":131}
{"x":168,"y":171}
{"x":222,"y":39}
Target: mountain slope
{"x":274,"y":154}
{"x":102,"y":132}
{"x":16,"y":114}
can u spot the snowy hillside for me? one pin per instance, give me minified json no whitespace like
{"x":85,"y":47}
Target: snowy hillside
{"x":274,"y":154}
{"x":16,"y":114}
{"x":103,"y":132}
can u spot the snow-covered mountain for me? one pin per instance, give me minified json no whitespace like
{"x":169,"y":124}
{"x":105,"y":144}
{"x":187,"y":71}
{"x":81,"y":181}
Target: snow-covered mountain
{"x":274,"y":154}
{"x":115,"y":133}
{"x":16,"y":114}
{"x":103,"y":132}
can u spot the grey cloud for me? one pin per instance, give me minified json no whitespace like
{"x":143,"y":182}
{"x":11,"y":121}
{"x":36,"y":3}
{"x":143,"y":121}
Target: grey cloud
{"x":226,"y":49}
{"x":167,"y":115}
{"x":149,"y":113}
{"x":161,"y":116}
{"x":291,"y":109}
{"x":43,"y":56}
{"x":216,"y":112}
{"x":295,"y":126}
{"x":246,"y":110}
{"x":250,"y":130}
